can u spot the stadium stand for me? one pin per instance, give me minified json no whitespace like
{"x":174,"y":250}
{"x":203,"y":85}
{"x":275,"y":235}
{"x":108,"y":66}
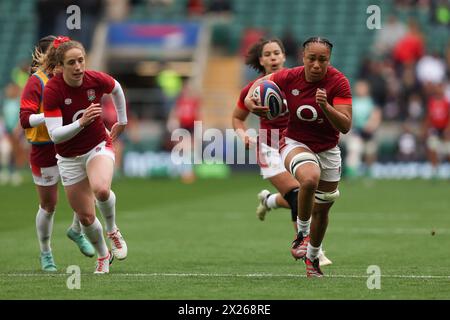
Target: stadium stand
{"x":223,"y":74}
{"x":17,"y":35}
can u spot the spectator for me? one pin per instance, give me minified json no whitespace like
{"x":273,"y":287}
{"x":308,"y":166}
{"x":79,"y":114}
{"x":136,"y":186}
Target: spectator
{"x":186,"y":111}
{"x":410,"y":47}
{"x":373,"y":72}
{"x":20,"y":74}
{"x":436,"y":129}
{"x":183,"y":116}
{"x":195,"y":8}
{"x":409,"y":86}
{"x":170,"y":82}
{"x":440,"y":12}
{"x":361,"y":145}
{"x":430,"y":70}
{"x":407,"y":146}
{"x":12,"y":152}
{"x":386,"y":37}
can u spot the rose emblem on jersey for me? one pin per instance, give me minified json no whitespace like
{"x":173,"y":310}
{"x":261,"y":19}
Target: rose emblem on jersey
{"x":91,"y":95}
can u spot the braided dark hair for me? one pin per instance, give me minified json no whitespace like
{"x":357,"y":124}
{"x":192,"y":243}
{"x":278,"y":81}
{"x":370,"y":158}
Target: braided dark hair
{"x":321,"y":40}
{"x":255,"y":52}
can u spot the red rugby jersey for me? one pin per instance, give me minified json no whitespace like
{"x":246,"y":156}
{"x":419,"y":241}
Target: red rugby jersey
{"x":307,"y":122}
{"x":62,"y":100}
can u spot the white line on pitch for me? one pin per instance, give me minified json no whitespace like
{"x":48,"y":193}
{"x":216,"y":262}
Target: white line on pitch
{"x":250,"y":275}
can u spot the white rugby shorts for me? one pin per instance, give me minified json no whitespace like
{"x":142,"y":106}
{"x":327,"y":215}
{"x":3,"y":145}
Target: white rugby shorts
{"x":45,"y":177}
{"x":330,"y":160}
{"x":269,"y":161}
{"x":73,"y":170}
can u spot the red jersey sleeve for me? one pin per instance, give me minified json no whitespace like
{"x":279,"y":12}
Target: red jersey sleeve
{"x":30,"y":101}
{"x":343,"y":93}
{"x":106,"y":82}
{"x":52,"y":103}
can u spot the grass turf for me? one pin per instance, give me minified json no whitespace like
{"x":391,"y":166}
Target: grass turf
{"x":203,"y":241}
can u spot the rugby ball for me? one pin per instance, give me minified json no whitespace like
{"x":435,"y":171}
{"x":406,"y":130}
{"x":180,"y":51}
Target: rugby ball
{"x":269,"y":95}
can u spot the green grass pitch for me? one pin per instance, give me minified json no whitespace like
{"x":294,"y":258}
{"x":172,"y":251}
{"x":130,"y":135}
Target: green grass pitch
{"x":203,"y":241}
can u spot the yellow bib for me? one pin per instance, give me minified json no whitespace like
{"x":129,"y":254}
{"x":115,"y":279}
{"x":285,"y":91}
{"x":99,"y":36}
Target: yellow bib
{"x":39,"y":134}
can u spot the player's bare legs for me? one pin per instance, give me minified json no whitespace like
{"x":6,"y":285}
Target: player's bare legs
{"x":307,"y":175}
{"x":48,"y":197}
{"x":100,"y":170}
{"x":307,"y":172}
{"x":81,"y":199}
{"x":319,"y":221}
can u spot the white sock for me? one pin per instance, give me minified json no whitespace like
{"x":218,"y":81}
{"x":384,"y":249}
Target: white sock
{"x":312,"y":253}
{"x":303,"y":226}
{"x":94,"y":233}
{"x":76,"y":226}
{"x":271,"y":201}
{"x":108,"y":210}
{"x":44,"y":227}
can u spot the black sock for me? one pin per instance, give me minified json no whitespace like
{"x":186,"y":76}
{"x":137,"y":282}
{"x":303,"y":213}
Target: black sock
{"x":292,"y":198}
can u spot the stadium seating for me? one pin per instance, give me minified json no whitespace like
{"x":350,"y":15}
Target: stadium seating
{"x":343,"y":22}
{"x":18,"y":23}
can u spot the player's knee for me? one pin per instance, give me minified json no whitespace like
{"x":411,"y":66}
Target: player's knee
{"x":48,"y":202}
{"x":86,"y":220}
{"x":48,"y":206}
{"x":326,"y":197}
{"x":310,"y":183}
{"x":102,"y":193}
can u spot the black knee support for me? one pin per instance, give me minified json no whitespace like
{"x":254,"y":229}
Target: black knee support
{"x":292,"y":198}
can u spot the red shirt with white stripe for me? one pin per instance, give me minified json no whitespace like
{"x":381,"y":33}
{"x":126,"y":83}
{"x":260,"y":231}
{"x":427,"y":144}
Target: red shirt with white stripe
{"x":307,"y":122}
{"x":62,"y":100}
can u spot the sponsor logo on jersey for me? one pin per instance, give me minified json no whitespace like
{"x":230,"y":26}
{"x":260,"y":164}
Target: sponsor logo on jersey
{"x":68,"y":101}
{"x":295,"y":92}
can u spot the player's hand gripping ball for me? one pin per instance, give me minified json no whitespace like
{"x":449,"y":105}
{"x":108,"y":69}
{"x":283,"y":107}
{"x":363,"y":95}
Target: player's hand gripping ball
{"x":269,"y":95}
